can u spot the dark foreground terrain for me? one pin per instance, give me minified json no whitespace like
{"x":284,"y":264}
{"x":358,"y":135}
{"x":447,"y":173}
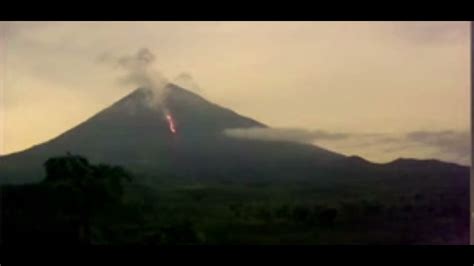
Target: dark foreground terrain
{"x":77,"y":205}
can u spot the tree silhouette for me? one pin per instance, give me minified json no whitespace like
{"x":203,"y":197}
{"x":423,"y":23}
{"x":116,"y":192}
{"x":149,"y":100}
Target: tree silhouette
{"x":86,"y":189}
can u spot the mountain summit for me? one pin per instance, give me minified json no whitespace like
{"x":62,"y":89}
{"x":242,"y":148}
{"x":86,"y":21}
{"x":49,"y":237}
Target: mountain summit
{"x":134,"y":132}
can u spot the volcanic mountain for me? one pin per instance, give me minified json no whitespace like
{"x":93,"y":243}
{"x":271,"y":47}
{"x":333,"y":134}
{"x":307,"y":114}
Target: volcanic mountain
{"x":134,"y":133}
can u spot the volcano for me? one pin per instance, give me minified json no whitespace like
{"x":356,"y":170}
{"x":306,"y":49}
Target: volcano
{"x":135,"y":134}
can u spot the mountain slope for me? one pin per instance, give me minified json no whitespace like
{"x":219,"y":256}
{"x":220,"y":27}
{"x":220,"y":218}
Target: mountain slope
{"x":134,"y":133}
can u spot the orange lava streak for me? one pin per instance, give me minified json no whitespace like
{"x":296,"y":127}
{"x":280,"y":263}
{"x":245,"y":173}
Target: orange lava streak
{"x":171,"y":123}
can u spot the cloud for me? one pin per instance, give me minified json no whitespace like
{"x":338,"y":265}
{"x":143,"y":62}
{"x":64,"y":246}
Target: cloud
{"x":139,"y":68}
{"x":187,"y":81}
{"x":448,"y":143}
{"x":283,"y":134}
{"x":140,"y":71}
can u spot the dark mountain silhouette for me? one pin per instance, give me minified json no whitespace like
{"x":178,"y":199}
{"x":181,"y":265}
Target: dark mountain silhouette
{"x":134,"y":134}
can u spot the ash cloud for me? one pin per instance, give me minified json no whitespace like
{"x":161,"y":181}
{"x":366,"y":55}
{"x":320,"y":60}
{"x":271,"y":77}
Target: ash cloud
{"x":186,"y":80}
{"x":283,"y":134}
{"x":139,"y":70}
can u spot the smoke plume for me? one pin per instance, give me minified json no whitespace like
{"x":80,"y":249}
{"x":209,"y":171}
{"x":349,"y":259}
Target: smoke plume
{"x":187,"y":81}
{"x":139,"y":70}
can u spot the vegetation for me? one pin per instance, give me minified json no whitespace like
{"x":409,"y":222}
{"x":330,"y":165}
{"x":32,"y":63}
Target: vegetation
{"x":82,"y":203}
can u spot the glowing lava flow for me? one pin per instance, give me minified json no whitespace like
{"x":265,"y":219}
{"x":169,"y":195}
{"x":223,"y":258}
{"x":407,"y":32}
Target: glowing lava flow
{"x":171,"y":123}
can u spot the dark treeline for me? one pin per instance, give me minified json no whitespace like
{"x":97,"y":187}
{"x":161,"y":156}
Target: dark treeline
{"x":81,"y":203}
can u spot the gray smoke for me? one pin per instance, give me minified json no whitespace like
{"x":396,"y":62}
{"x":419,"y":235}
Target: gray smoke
{"x":187,"y":81}
{"x":283,"y":134}
{"x":139,"y":70}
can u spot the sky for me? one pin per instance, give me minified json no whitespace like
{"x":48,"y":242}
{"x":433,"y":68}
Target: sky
{"x":380,"y":90}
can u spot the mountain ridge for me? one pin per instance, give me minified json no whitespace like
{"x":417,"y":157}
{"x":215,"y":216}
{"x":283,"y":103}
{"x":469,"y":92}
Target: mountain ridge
{"x":133,"y":131}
